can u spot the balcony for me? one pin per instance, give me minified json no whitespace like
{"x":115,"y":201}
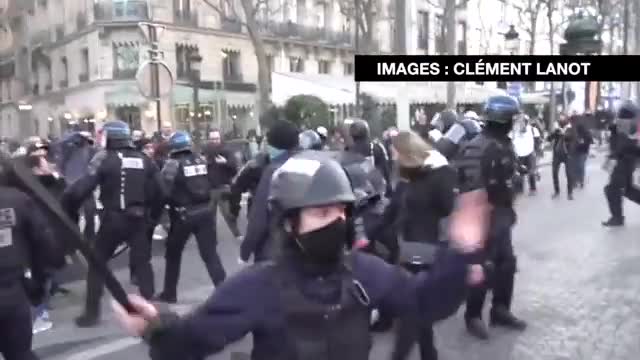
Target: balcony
{"x":42,"y":37}
{"x":122,"y":74}
{"x":233,"y":82}
{"x":189,"y":19}
{"x":83,"y":78}
{"x":63,"y":84}
{"x":132,"y":10}
{"x":294,"y":31}
{"x":232,"y":26}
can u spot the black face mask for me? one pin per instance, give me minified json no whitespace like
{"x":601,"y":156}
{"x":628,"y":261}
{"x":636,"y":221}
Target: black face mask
{"x":325,"y":245}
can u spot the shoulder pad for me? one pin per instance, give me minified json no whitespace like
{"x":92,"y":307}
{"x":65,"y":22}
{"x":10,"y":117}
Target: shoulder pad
{"x":96,"y":161}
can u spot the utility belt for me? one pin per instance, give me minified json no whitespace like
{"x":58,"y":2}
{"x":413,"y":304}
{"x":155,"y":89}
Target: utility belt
{"x":191,"y":212}
{"x":135,"y":211}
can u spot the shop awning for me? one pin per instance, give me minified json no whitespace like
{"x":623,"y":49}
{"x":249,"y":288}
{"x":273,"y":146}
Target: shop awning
{"x":124,"y":96}
{"x":341,"y":90}
{"x":183,"y":95}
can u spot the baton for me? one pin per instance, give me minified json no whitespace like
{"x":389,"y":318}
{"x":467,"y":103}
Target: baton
{"x":43,"y":197}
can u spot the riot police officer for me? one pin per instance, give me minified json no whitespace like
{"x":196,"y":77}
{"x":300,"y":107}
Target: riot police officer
{"x":128,"y":186}
{"x":489,"y":162}
{"x":625,"y":153}
{"x":188,"y":191}
{"x":310,"y":140}
{"x":314,"y":299}
{"x":456,"y":134}
{"x":373,"y":150}
{"x":26,"y":252}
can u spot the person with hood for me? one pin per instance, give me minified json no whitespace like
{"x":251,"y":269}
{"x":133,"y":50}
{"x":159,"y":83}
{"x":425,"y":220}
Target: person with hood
{"x":282,"y":143}
{"x":363,"y":144}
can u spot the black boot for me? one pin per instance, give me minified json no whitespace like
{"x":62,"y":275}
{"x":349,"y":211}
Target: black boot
{"x":165,"y":298}
{"x":501,"y":316}
{"x":614,"y":222}
{"x":477,"y":328}
{"x":87,"y":319}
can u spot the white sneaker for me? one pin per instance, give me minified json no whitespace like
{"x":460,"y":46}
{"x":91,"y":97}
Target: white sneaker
{"x":41,"y":324}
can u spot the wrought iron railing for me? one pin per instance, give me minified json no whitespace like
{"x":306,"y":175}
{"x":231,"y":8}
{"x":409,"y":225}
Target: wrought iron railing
{"x":132,"y":10}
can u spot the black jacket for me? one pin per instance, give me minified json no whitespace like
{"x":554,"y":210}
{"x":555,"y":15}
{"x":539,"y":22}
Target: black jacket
{"x":424,"y":202}
{"x":220,"y":173}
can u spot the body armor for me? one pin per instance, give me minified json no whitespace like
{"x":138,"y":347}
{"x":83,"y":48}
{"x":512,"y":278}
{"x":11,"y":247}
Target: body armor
{"x":192,"y":182}
{"x":123,"y":183}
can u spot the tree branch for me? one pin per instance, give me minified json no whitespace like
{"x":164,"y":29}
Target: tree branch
{"x":222,"y":13}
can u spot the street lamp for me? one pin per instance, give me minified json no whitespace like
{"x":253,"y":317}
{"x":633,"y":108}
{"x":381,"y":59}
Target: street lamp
{"x":512,"y":40}
{"x":195,"y":63}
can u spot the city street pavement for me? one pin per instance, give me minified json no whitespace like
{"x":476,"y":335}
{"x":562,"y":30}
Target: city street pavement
{"x":577,"y":286}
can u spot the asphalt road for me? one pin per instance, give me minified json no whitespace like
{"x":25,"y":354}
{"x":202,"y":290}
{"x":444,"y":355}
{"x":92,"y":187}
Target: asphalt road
{"x":577,"y":286}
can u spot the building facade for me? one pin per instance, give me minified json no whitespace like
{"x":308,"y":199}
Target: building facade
{"x":74,"y":62}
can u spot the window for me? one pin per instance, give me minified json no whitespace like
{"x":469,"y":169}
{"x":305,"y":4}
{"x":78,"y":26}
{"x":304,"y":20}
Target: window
{"x":439,"y":30}
{"x":461,"y":35}
{"x":127,"y":61}
{"x":423,"y":30}
{"x":64,"y":81}
{"x":183,"y":61}
{"x":348,"y":68}
{"x":84,"y":74}
{"x":324,"y":67}
{"x":296,"y":64}
{"x":49,"y":74}
{"x":301,"y":11}
{"x":322,"y":15}
{"x":231,"y":69}
{"x":183,"y":6}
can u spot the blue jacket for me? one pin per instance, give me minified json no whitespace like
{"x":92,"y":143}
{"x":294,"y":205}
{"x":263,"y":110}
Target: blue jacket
{"x":249,"y":303}
{"x":258,"y":220}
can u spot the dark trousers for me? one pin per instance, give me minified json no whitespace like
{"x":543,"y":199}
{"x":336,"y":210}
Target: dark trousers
{"x":89,"y":209}
{"x":580,"y":167}
{"x":530,"y":163}
{"x":411,"y":330}
{"x":204,"y":230}
{"x":501,"y":279}
{"x":568,"y":170}
{"x":225,"y":208}
{"x":15,"y":327}
{"x":116,"y":227}
{"x":620,"y":184}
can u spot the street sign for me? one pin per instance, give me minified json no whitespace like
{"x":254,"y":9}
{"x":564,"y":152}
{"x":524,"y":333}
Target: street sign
{"x":145,"y":79}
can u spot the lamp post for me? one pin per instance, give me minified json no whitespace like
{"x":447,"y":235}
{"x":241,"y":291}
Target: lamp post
{"x":195,"y":62}
{"x":512,"y":45}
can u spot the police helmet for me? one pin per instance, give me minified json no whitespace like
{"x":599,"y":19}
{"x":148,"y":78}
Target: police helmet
{"x":501,"y":109}
{"x":180,"y":141}
{"x":310,"y":179}
{"x":442,"y":121}
{"x":628,"y":110}
{"x":322,"y":131}
{"x":471,"y":115}
{"x":310,"y":140}
{"x":116,"y":130}
{"x":359,"y":129}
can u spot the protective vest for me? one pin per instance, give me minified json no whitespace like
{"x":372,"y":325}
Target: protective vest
{"x":485,"y":162}
{"x":124,"y":181}
{"x":367,"y":181}
{"x":191,"y":185}
{"x":317,"y":331}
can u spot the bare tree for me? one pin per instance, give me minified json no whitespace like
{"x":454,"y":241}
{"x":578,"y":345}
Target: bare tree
{"x":364,"y":13}
{"x":529,"y":17}
{"x":250,"y":8}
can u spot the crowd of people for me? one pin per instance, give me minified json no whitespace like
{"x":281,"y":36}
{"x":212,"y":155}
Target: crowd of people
{"x":400,"y":230}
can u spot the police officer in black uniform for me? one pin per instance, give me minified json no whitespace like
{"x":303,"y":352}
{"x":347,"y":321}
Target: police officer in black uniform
{"x":456,"y":135}
{"x":187,"y":188}
{"x":625,"y":152}
{"x":24,"y":249}
{"x":373,"y":150}
{"x":128,"y":186}
{"x":313,"y":301}
{"x":489,"y":162}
